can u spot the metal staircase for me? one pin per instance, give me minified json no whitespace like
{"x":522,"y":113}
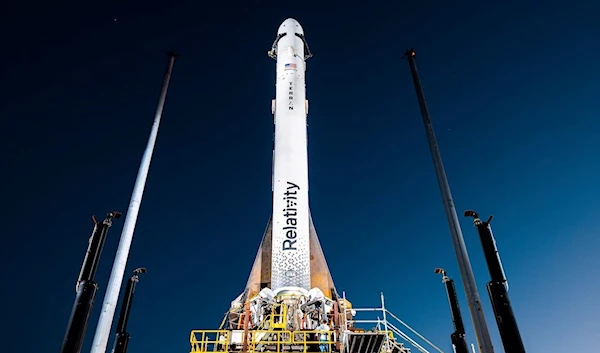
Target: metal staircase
{"x":364,"y":342}
{"x":385,"y":337}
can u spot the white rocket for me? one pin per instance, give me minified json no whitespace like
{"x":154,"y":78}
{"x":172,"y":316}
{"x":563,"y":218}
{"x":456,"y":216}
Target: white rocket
{"x":291,"y":258}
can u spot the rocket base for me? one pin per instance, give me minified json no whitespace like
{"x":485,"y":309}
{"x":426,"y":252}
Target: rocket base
{"x":291,"y":320}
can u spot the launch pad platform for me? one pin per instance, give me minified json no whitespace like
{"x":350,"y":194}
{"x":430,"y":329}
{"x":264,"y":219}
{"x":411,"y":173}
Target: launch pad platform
{"x":378,"y":331}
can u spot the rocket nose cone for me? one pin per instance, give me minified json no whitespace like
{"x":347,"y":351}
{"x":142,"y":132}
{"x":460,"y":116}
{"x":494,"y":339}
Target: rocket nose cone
{"x":290,"y":26}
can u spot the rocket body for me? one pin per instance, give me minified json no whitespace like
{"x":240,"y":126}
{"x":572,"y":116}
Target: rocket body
{"x":290,"y":247}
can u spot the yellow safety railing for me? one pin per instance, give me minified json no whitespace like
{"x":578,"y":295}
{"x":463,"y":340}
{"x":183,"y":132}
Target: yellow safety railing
{"x":278,"y":341}
{"x":310,"y":340}
{"x":209,"y":341}
{"x":278,"y":316}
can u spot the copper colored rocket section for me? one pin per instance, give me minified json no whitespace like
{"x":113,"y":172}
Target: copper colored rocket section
{"x":319,"y":271}
{"x":260,"y":275}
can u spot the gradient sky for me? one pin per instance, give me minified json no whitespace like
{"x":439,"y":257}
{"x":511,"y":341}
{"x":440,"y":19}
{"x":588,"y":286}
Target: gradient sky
{"x":513,"y":93}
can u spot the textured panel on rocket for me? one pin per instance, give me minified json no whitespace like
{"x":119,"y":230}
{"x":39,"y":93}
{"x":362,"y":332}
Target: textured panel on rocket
{"x":260,"y":275}
{"x":290,"y":263}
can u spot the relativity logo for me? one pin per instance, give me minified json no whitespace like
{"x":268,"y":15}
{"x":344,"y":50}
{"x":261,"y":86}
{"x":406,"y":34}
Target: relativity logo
{"x":290,"y":214}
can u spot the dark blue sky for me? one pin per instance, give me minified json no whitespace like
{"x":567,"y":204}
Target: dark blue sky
{"x":513,"y":92}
